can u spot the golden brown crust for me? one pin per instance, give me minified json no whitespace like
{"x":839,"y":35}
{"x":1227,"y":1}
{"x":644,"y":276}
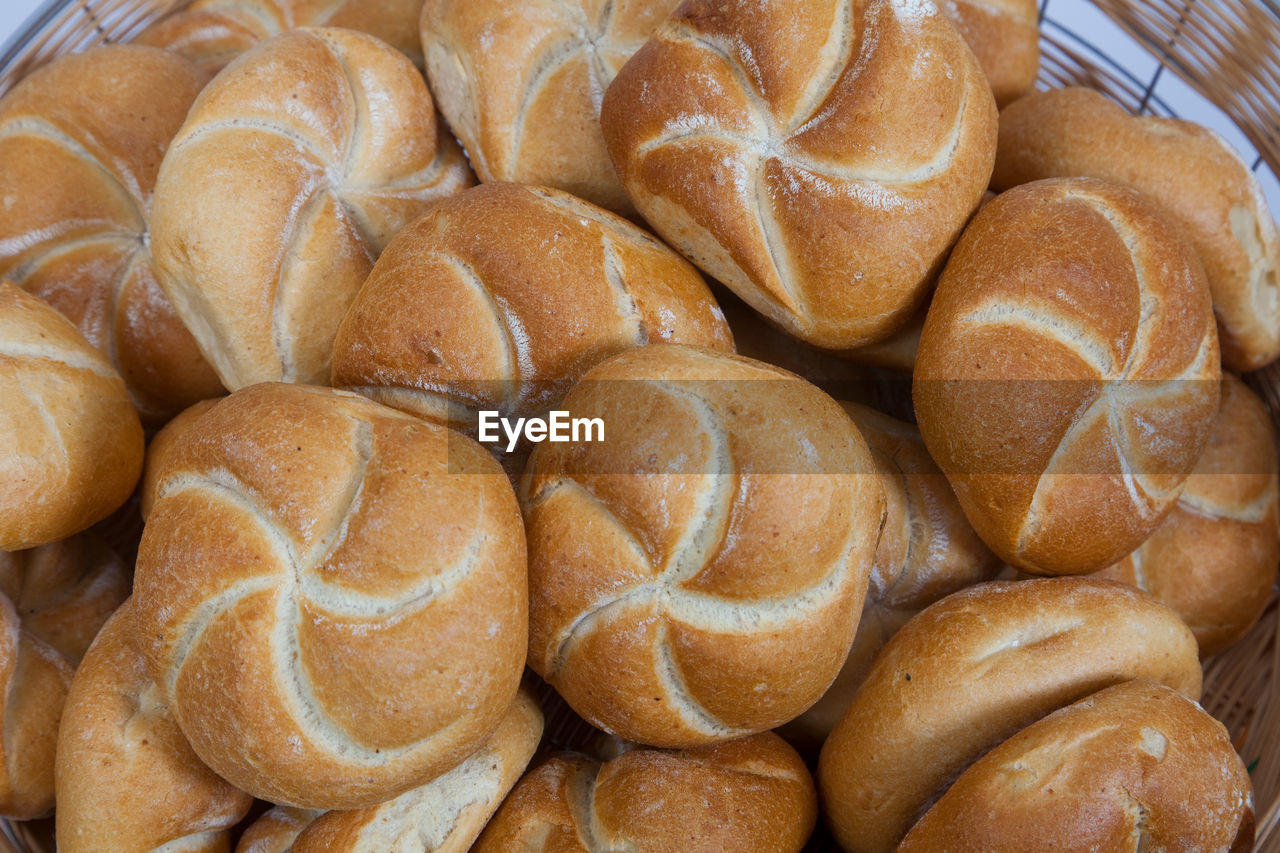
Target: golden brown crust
{"x":293,"y":171}
{"x":276,"y":830}
{"x":53,"y":601}
{"x":927,"y":550}
{"x":723,"y":528}
{"x":505,"y":295}
{"x":333,"y":595}
{"x":1214,"y":557}
{"x":126,"y":777}
{"x":752,"y":794}
{"x":211,"y":33}
{"x":824,"y":193}
{"x":521,"y":84}
{"x":81,"y":141}
{"x":973,"y":669}
{"x":1132,"y":767}
{"x":157,"y":460}
{"x":446,"y":814}
{"x":70,"y":439}
{"x":1005,"y":38}
{"x":1067,"y":376}
{"x":1190,"y":171}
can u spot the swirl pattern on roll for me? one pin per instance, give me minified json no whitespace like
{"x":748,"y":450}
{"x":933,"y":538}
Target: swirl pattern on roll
{"x":817,"y":158}
{"x":1067,"y":376}
{"x":725,"y":526}
{"x":292,"y":173}
{"x":333,"y":595}
{"x":81,"y":141}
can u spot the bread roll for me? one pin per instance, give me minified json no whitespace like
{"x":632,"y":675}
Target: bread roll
{"x":158,"y":452}
{"x":971,"y":670}
{"x":81,"y":141}
{"x":211,"y":33}
{"x":1214,"y":558}
{"x":1190,"y":171}
{"x":126,"y":777}
{"x":1067,"y":376}
{"x":697,"y":575}
{"x":747,"y":795}
{"x":1005,"y":37}
{"x":505,"y":296}
{"x":1132,"y":767}
{"x":332,"y":595}
{"x":446,"y":814}
{"x":53,"y":600}
{"x":825,"y":193}
{"x":276,"y":830}
{"x":70,"y":440}
{"x":521,"y":84}
{"x":927,"y":550}
{"x":293,"y":171}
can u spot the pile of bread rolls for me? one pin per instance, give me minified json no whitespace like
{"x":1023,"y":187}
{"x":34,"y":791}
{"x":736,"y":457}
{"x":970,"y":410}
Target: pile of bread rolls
{"x":263,"y":270}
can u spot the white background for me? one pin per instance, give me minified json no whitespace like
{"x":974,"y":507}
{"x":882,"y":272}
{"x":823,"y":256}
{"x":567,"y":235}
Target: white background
{"x":12,"y":14}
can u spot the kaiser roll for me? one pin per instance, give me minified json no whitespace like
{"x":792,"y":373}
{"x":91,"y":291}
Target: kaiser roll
{"x":505,"y":295}
{"x":824,"y":192}
{"x":70,"y":441}
{"x":973,"y":669}
{"x":1190,"y":171}
{"x":211,"y":33}
{"x":521,"y":83}
{"x":697,"y":575}
{"x":81,"y":140}
{"x":1214,"y":557}
{"x":927,"y":550}
{"x":293,"y":171}
{"x":749,"y":795}
{"x":446,"y":814}
{"x":126,"y":777}
{"x":331,"y":595}
{"x":53,"y":600}
{"x":1005,"y":37}
{"x":1067,"y":376}
{"x":1132,"y":767}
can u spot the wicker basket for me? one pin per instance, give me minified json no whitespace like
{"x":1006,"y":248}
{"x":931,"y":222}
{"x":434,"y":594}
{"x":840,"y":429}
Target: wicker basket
{"x":1192,"y":58}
